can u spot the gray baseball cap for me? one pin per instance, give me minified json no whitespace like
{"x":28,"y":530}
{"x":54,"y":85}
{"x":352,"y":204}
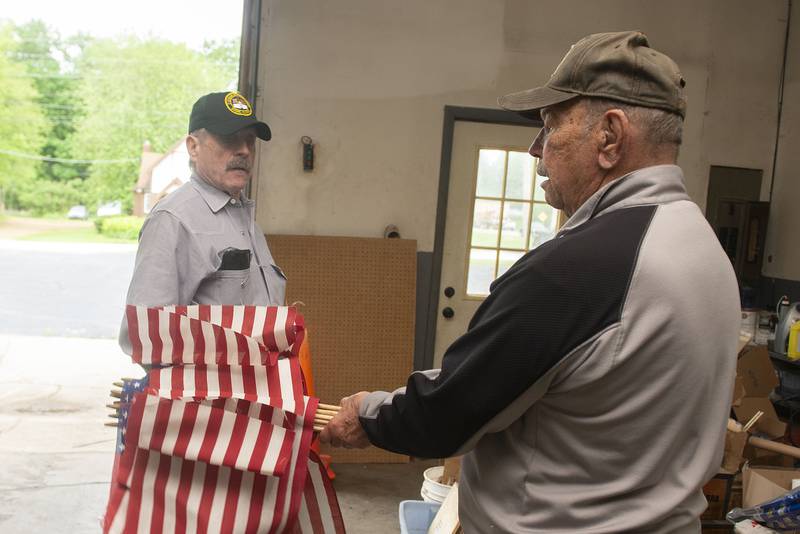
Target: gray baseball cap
{"x":618,"y":66}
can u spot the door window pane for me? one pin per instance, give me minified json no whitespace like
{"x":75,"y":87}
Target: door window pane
{"x":543,"y":224}
{"x":506,"y":260}
{"x":481,"y":271}
{"x":515,"y":225}
{"x":485,"y":223}
{"x":509,"y":218}
{"x":519,"y":179}
{"x":491,"y":167}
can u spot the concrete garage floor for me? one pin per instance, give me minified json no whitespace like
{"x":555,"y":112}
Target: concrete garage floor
{"x":369,"y":494}
{"x":56,"y":455}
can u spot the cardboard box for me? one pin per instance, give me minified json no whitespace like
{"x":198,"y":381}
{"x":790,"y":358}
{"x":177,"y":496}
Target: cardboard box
{"x":756,"y":372}
{"x":760,"y":458}
{"x":718,"y":495}
{"x":738,"y":391}
{"x":732,"y":456}
{"x":452,"y":470}
{"x":760,"y":484}
{"x":768,"y":423}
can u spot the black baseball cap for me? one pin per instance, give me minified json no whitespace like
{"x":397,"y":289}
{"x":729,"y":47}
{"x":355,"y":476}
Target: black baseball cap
{"x":224,"y":114}
{"x":619,"y":66}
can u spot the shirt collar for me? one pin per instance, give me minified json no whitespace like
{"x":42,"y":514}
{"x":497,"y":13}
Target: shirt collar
{"x":658,"y":184}
{"x":215,"y":198}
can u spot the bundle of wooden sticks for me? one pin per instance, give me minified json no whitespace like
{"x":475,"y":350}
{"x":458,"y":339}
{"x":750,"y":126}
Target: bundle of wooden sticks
{"x":323,"y":416}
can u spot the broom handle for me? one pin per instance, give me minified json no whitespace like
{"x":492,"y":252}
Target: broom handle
{"x":768,"y":445}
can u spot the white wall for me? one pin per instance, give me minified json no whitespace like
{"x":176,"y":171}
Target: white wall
{"x":368,"y":80}
{"x":783,"y":236}
{"x":174,"y":165}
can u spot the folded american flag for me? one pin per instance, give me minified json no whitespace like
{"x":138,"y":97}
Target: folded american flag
{"x":217,"y":437}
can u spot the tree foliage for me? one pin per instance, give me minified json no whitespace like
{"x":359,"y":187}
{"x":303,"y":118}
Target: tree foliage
{"x":75,"y":112}
{"x":50,"y":61}
{"x":22,"y":124}
{"x":136,"y":91}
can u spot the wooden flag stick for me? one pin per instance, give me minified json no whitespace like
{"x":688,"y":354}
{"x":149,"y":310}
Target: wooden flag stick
{"x":753,"y":420}
{"x":329,"y":407}
{"x":111,"y":424}
{"x":117,"y":394}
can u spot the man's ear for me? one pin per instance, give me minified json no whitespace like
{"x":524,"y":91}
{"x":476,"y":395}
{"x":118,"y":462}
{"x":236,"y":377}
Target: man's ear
{"x":614,"y":131}
{"x":192,"y":144}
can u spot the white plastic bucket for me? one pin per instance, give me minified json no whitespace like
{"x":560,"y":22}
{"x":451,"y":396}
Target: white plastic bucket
{"x":432,"y":488}
{"x":749,"y":323}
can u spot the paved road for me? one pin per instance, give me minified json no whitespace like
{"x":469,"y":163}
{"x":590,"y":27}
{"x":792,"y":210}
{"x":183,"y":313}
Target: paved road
{"x":63,"y":289}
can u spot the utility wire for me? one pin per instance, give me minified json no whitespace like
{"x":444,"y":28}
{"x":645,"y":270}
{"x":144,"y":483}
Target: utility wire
{"x":22,"y":155}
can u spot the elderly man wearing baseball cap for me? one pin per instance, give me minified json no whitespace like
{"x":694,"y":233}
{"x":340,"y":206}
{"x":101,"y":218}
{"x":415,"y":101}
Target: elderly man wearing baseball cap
{"x":200,"y":244}
{"x":592,"y":388}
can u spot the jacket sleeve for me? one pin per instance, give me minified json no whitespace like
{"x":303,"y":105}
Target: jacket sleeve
{"x":553,"y":300}
{"x":502,"y":353}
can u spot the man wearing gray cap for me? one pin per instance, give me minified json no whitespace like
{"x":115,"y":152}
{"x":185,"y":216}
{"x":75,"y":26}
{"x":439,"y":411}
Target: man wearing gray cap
{"x":200,"y":244}
{"x":592,"y":388}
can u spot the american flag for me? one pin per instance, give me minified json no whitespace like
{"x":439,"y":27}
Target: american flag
{"x":217,"y":437}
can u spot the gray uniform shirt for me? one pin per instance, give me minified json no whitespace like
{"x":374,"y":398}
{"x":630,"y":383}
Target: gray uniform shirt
{"x":180,"y":252}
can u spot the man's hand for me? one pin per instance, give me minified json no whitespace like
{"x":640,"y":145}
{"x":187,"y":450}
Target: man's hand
{"x":345,"y":430}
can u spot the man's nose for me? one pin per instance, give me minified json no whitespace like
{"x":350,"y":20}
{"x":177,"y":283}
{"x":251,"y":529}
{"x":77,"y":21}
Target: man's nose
{"x":243,"y":148}
{"x":536,"y":147}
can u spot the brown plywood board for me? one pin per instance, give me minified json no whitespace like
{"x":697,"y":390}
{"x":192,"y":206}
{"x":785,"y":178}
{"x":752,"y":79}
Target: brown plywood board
{"x":359,"y":304}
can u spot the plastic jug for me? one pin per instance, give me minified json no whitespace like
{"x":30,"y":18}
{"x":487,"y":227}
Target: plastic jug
{"x":787,"y":317}
{"x":793,"y":350}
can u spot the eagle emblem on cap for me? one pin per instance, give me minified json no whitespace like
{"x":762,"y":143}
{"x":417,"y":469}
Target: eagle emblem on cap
{"x":237,"y":104}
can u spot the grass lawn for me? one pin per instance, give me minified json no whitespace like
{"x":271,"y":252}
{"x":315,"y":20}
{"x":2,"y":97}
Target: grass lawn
{"x":74,"y":235}
{"x":482,"y":237}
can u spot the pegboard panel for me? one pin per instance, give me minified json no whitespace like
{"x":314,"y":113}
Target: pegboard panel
{"x":359,"y":304}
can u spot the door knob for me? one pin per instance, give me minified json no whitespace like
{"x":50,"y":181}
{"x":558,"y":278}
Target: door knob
{"x":449,"y":292}
{"x":448,"y":312}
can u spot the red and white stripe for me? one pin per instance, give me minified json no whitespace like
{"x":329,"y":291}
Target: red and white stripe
{"x":211,"y":334}
{"x":216,"y":436}
{"x":221,"y":440}
{"x":280,"y":386}
{"x":175,"y":494}
{"x":319,"y":509}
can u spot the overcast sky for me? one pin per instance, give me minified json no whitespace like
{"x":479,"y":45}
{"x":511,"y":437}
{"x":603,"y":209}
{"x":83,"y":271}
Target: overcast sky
{"x":187,"y":21}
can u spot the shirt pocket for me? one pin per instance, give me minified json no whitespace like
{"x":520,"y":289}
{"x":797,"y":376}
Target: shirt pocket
{"x":276,"y":284}
{"x":229,"y":286}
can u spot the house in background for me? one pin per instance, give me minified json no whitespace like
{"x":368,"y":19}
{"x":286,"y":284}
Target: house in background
{"x":159,"y":175}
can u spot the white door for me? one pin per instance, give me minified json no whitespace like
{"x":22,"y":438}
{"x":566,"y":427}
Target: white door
{"x":495,"y":213}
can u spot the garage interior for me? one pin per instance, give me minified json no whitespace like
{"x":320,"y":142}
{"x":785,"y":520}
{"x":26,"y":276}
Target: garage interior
{"x":369,"y":102}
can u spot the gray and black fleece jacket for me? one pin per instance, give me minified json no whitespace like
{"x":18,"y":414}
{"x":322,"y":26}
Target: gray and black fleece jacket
{"x":591,"y":390}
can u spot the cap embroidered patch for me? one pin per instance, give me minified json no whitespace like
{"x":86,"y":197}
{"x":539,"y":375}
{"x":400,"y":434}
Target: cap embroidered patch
{"x":237,"y":104}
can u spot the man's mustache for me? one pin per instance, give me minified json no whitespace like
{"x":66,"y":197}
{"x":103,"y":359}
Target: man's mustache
{"x":238,"y":164}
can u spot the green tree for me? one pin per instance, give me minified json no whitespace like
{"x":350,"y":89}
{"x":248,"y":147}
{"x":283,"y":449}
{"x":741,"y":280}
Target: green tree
{"x":224,"y":55}
{"x":50,"y":60}
{"x":22,"y":124}
{"x":135,"y":90}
